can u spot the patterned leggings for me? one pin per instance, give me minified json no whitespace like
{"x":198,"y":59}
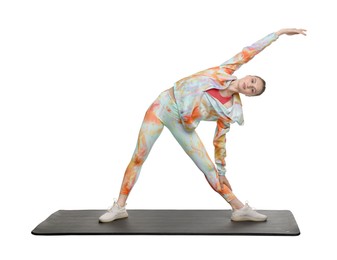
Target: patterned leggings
{"x":164,"y":112}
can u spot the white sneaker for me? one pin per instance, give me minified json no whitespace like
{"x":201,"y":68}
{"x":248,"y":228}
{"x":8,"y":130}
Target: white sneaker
{"x":247,"y":214}
{"x":115,"y":212}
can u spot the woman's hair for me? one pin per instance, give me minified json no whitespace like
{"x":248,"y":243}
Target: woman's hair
{"x":263,"y":86}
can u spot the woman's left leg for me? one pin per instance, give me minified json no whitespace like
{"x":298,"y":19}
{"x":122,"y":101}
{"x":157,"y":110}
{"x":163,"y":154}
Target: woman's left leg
{"x":193,"y":146}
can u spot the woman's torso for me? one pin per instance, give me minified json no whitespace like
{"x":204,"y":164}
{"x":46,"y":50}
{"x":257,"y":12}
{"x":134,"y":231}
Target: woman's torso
{"x":210,"y":108}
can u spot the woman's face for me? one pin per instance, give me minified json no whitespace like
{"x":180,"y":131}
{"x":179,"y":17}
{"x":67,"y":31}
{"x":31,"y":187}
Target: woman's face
{"x":250,"y":85}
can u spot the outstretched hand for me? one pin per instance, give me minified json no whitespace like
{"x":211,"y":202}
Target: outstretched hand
{"x":291,"y":31}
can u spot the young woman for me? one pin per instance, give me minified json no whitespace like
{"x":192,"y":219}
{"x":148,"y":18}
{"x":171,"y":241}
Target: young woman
{"x":211,"y":95}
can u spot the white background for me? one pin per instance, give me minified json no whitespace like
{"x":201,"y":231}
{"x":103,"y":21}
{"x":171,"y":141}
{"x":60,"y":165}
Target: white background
{"x":76,"y":78}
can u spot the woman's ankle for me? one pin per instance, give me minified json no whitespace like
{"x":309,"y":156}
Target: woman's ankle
{"x":122,"y":200}
{"x":236,"y":204}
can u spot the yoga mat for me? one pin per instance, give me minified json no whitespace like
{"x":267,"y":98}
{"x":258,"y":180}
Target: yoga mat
{"x":167,"y":222}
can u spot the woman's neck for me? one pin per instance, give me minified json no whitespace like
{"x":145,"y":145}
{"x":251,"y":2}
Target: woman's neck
{"x":232,"y":89}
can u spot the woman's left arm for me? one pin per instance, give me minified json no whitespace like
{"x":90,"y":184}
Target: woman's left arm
{"x":249,"y":52}
{"x":291,"y":31}
{"x":230,"y":66}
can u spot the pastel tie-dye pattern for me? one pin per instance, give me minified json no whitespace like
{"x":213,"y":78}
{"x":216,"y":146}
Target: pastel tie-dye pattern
{"x":182,"y":115}
{"x":188,"y":92}
{"x":164,"y":112}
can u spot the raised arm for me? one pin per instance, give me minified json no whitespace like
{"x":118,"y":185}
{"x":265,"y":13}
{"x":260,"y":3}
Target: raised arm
{"x":220,"y":73}
{"x":250,"y":51}
{"x":247,"y":53}
{"x":291,"y":31}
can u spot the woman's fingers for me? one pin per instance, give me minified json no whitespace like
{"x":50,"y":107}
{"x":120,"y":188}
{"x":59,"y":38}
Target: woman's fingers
{"x":293,"y":31}
{"x":223,"y":180}
{"x":303,"y":31}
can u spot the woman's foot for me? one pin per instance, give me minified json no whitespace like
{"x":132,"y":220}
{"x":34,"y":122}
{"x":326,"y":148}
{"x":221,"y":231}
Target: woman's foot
{"x":246,"y":213}
{"x":115,"y":212}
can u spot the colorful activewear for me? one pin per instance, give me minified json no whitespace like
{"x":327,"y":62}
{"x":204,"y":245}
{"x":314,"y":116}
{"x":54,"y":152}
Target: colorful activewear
{"x":216,"y":94}
{"x":182,"y":113}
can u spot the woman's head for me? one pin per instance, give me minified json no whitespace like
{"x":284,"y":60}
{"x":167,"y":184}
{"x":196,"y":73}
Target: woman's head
{"x":251,"y":85}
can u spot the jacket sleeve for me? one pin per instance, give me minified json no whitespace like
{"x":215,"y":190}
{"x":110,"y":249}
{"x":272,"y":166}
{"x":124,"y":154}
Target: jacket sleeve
{"x":247,"y":53}
{"x":221,"y":73}
{"x":219,"y":142}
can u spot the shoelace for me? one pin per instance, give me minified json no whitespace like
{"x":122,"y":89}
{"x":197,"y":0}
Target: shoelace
{"x":115,"y":204}
{"x":111,"y":208}
{"x":249,"y":206}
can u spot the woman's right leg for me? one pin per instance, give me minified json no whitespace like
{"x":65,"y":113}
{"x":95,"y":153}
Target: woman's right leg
{"x":149,"y":132}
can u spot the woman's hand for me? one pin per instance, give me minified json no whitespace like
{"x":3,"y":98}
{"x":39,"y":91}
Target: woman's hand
{"x":291,"y":31}
{"x":223,"y":180}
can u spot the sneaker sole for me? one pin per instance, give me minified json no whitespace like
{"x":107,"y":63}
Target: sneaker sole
{"x":239,"y":219}
{"x":123,"y":215}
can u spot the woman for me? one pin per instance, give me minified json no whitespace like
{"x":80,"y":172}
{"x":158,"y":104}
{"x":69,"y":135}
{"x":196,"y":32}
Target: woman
{"x":211,"y":95}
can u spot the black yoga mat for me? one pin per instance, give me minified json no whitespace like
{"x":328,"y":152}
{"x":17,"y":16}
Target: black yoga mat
{"x":167,"y":222}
